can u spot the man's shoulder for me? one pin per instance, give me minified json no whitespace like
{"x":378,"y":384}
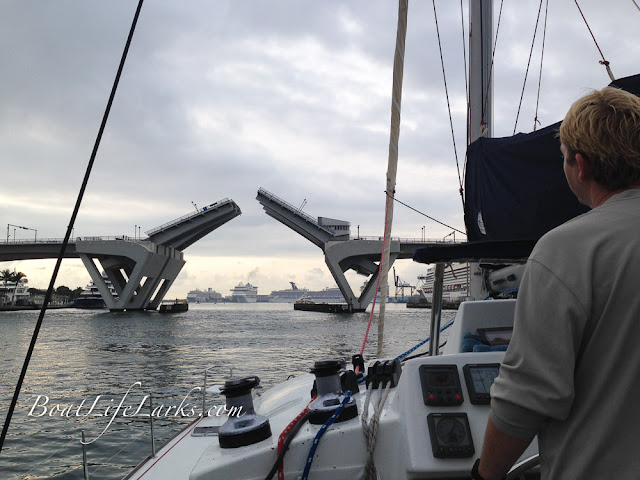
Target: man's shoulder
{"x":566,"y":233}
{"x":619,"y":213}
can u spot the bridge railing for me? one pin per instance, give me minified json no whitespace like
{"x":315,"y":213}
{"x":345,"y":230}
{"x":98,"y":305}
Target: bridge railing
{"x":32,"y":241}
{"x":288,"y":206}
{"x":404,"y":240}
{"x":177,"y":221}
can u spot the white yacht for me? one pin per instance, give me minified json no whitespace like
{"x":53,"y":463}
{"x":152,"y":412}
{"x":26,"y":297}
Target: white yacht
{"x":91,"y":298}
{"x":14,"y":293}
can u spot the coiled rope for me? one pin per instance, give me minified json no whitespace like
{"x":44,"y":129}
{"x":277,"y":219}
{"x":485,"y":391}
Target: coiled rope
{"x":370,"y":428}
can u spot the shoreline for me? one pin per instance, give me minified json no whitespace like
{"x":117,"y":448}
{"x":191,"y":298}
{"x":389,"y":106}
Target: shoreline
{"x":16,"y":308}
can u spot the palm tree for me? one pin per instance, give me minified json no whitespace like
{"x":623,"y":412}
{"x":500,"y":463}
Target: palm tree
{"x":6,"y":275}
{"x":17,"y":277}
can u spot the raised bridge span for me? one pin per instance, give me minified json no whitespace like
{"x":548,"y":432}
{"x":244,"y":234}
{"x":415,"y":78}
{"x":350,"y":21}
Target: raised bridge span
{"x":342,"y":252}
{"x":140,"y":270}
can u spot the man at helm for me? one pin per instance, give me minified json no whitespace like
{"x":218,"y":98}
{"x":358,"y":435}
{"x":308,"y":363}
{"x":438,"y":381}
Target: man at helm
{"x":571,"y":374}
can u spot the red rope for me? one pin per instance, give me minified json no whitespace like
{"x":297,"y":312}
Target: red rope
{"x":375,"y":294}
{"x":285,"y":433}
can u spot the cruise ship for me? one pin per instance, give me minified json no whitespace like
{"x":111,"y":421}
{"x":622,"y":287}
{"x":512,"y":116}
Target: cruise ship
{"x":201,"y":296}
{"x":290,"y":295}
{"x":455,"y":283}
{"x":328,"y":295}
{"x":293,"y":294}
{"x":246,"y":293}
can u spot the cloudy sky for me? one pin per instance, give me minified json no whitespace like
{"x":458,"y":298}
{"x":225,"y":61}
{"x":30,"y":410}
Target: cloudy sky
{"x":219,"y":98}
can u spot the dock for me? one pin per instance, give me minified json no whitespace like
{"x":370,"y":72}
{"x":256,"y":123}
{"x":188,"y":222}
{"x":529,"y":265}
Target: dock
{"x":326,"y":307}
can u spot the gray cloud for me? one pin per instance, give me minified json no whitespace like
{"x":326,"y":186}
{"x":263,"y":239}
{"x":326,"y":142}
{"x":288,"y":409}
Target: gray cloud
{"x":220,"y":98}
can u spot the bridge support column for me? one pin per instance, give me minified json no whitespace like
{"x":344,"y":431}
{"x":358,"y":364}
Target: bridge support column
{"x":136,"y":271}
{"x":361,"y":256}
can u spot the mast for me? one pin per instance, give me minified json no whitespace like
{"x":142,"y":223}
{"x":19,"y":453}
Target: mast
{"x":480,"y":97}
{"x":480,"y":59}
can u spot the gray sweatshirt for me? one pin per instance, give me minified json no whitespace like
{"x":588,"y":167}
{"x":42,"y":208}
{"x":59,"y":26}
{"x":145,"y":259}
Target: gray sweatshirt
{"x":571,"y":374}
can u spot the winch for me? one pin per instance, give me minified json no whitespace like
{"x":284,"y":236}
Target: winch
{"x":329,"y":393}
{"x":244,"y":426}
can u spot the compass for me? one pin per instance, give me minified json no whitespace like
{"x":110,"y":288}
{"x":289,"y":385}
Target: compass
{"x":450,"y":435}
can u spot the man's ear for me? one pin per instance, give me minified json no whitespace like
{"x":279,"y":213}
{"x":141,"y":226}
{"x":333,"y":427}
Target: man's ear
{"x":584,"y":168}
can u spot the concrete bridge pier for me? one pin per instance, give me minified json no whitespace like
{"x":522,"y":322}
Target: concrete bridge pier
{"x":361,"y":256}
{"x":136,"y":270}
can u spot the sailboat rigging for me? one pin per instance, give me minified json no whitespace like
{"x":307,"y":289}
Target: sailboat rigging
{"x":423,"y":417}
{"x":406,"y":417}
{"x":70,"y":227}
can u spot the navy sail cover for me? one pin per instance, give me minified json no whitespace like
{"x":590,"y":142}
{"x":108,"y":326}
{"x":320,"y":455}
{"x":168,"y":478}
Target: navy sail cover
{"x":515,"y":186}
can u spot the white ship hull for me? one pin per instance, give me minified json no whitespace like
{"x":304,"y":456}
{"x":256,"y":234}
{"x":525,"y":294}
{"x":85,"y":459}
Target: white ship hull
{"x":244,"y":293}
{"x":243,"y":299}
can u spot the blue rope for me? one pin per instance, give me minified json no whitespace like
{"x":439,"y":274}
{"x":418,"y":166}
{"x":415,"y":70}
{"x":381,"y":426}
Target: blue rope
{"x":413,"y":349}
{"x":321,"y":432}
{"x":423,"y":342}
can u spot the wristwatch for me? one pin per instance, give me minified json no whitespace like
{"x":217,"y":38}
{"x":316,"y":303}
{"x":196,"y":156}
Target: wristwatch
{"x":474,"y":471}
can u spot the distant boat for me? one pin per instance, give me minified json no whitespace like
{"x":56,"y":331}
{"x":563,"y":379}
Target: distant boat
{"x":455,"y":286}
{"x":174,"y":306}
{"x":289,"y":295}
{"x":199,"y":296}
{"x":295,"y":294}
{"x":328,"y":295}
{"x":244,"y":293}
{"x":90,"y":297}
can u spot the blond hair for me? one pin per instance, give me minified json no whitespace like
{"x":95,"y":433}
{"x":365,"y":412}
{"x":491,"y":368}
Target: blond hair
{"x":604,"y":126}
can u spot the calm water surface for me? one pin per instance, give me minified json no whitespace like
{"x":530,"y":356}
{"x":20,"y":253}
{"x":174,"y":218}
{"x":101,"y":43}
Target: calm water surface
{"x":97,"y":356}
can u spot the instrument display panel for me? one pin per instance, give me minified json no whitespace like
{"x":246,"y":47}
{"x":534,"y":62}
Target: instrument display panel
{"x":440,"y":385}
{"x":479,"y":378}
{"x":450,"y":435}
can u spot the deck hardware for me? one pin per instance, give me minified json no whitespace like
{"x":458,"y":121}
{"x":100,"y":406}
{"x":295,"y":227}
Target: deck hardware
{"x":85,"y":467}
{"x":243,"y":426}
{"x":329,"y":393}
{"x":204,"y":391}
{"x":436,"y":309}
{"x":153,"y":441}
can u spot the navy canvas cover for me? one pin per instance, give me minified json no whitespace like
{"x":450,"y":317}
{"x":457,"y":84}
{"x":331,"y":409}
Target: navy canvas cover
{"x":515,"y":186}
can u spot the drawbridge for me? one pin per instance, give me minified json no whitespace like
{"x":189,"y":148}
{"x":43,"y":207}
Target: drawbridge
{"x":341,"y":252}
{"x":140,"y":270}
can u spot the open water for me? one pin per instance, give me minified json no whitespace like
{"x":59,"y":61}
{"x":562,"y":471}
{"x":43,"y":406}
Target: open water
{"x":96,"y":357}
